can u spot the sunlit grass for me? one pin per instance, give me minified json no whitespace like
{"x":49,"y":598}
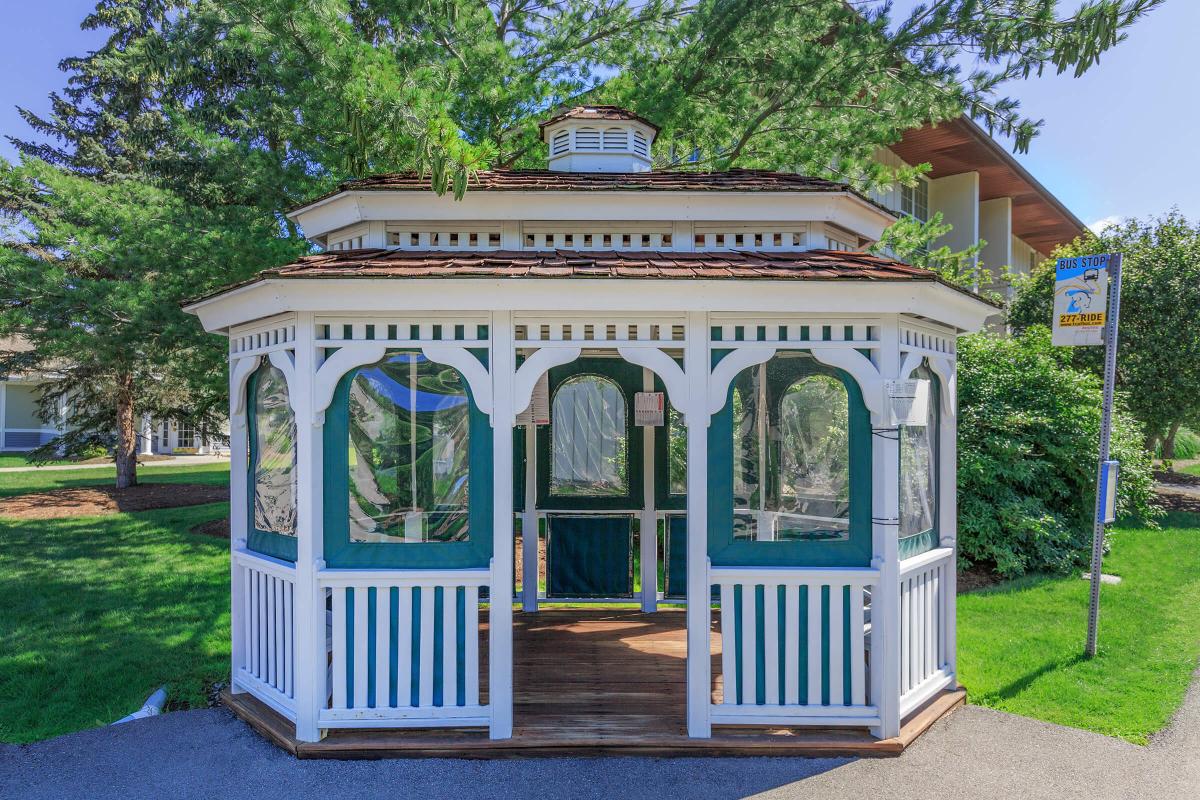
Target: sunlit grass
{"x":101,"y":611}
{"x":1020,"y":644}
{"x":14,"y":483}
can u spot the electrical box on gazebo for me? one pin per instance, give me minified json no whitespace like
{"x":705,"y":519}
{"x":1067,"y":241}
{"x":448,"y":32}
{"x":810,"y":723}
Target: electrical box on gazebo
{"x":451,"y":380}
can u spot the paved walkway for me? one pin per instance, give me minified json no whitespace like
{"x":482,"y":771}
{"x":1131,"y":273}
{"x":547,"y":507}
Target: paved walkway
{"x":973,"y":753}
{"x":172,"y":461}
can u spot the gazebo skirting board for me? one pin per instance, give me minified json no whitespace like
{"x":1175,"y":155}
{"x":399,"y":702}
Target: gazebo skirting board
{"x":598,"y":681}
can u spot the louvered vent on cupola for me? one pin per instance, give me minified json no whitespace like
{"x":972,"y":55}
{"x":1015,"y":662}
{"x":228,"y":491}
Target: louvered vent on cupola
{"x":599,"y":139}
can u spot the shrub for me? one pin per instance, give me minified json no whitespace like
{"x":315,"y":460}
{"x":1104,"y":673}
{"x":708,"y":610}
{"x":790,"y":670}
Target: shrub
{"x":1028,"y":435}
{"x":1187,"y":445}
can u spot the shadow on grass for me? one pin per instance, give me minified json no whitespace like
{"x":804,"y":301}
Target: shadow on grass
{"x":1021,"y":684}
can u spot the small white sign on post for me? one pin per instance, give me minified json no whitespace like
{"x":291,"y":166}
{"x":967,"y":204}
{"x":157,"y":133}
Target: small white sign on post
{"x":1080,"y":300}
{"x":648,"y":409}
{"x":1108,"y":490}
{"x":907,"y":401}
{"x":538,"y":412}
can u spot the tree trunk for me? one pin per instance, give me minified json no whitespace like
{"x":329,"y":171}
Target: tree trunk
{"x":126,"y":451}
{"x":1168,"y":442}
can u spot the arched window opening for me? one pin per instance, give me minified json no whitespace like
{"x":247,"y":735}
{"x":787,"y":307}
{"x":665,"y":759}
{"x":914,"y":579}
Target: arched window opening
{"x":408,"y":452}
{"x":791,"y":455}
{"x":589,"y":439}
{"x":616,"y":139}
{"x":272,"y":453}
{"x":587,"y":139}
{"x":918,"y":477}
{"x":561,"y":143}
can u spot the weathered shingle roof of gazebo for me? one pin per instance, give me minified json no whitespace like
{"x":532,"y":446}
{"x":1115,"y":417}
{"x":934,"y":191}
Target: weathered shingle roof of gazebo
{"x":546,"y":180}
{"x":820,"y":265}
{"x":598,"y":112}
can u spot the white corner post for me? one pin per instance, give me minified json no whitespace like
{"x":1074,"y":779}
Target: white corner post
{"x":648,"y":525}
{"x":699,"y":665}
{"x":238,"y":510}
{"x":885,"y":527}
{"x":309,"y":600}
{"x":500,"y":615}
{"x":947,"y":498}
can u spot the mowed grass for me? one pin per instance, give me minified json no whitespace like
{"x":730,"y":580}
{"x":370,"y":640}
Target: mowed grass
{"x":14,"y":483}
{"x":1191,"y":469}
{"x":19,"y":460}
{"x":1020,"y":645}
{"x":99,"y":612}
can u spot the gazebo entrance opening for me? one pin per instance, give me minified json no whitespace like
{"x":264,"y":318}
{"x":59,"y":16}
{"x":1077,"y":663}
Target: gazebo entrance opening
{"x":605,"y":494}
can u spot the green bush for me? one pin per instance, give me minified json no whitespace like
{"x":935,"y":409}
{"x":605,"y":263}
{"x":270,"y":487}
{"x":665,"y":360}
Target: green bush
{"x":1187,"y":445}
{"x":1028,"y":435}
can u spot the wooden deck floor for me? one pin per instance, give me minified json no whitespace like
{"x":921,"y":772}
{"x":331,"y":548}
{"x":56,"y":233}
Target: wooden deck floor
{"x":590,"y":682}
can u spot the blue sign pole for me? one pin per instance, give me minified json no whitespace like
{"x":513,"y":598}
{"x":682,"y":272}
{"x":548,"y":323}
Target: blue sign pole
{"x":1110,"y":376}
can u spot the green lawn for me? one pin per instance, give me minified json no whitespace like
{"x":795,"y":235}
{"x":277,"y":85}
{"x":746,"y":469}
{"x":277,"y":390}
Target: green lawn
{"x":14,"y":483}
{"x":19,"y":460}
{"x":1020,"y":644}
{"x":101,"y":611}
{"x":1191,"y":469}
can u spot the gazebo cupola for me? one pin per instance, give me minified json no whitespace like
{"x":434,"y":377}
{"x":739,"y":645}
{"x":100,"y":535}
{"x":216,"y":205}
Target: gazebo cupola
{"x":599,"y":139}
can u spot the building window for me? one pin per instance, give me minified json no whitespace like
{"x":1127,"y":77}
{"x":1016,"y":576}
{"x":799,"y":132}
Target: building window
{"x":187,"y":435}
{"x":408,"y":452}
{"x":918,"y":478}
{"x":914,"y":200}
{"x":791,"y":454}
{"x":589,"y":439}
{"x":273,"y":453}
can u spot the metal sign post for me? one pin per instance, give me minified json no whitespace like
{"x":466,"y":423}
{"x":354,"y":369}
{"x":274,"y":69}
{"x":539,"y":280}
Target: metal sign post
{"x":1102,"y":473}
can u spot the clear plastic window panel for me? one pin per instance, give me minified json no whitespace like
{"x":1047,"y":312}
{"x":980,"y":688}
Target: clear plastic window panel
{"x":589,"y":439}
{"x":791,"y":455}
{"x":918,"y":472}
{"x":409,"y":452}
{"x":676,"y":451}
{"x":274,"y":454}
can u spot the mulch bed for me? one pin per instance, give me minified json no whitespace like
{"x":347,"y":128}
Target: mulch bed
{"x":976,"y":578}
{"x":1178,"y":501}
{"x":1181,"y":478}
{"x":216,"y":528}
{"x":92,"y":501}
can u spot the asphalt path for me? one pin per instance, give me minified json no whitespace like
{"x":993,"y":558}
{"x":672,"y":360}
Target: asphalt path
{"x":972,"y":753}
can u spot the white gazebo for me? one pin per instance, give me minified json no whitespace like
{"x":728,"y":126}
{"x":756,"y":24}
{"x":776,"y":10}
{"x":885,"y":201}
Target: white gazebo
{"x":659,"y":389}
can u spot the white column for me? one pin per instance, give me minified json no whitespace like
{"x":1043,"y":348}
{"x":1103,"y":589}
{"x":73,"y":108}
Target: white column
{"x":238,"y":526}
{"x":309,"y":601}
{"x":649,"y":517}
{"x":885,"y":513}
{"x":500,"y":634}
{"x":147,"y":443}
{"x":947,"y":488}
{"x":699,"y":668}
{"x":529,"y":525}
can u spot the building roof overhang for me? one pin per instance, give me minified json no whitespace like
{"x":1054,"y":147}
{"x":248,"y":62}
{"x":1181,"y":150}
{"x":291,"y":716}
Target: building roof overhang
{"x":957,"y":146}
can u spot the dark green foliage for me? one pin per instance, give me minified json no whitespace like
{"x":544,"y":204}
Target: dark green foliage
{"x":1028,"y":436}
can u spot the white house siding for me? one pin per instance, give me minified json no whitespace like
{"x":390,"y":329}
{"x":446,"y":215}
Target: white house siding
{"x":1024,"y":257}
{"x":889,"y":196}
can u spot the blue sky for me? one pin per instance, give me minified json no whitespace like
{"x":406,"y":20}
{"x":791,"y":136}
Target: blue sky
{"x":1117,"y":142}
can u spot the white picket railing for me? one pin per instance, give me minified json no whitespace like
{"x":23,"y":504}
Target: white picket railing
{"x":926,"y":613}
{"x":265,"y":661}
{"x":815,"y":619}
{"x":386,"y":670}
